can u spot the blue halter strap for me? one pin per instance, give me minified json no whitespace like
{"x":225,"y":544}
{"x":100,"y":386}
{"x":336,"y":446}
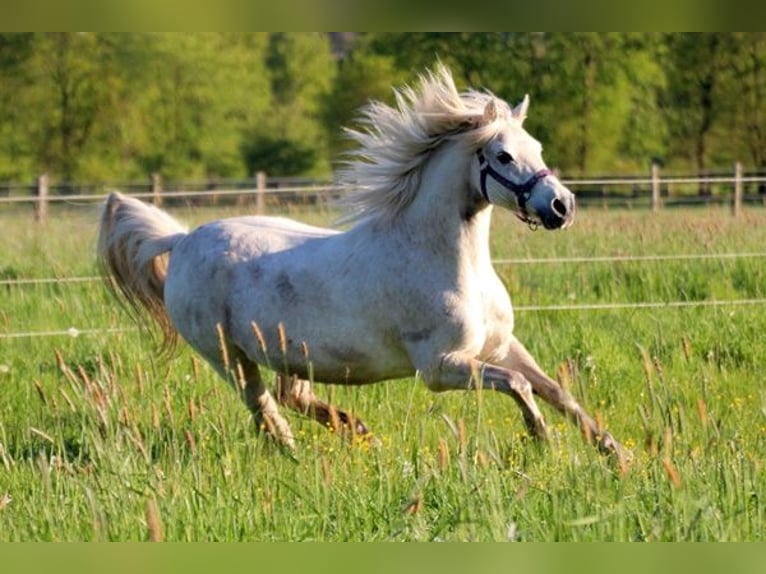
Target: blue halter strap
{"x":522,"y":190}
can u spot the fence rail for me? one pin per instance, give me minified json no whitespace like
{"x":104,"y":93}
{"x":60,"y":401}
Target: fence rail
{"x":26,"y":281}
{"x":654,"y":191}
{"x":74,"y":332}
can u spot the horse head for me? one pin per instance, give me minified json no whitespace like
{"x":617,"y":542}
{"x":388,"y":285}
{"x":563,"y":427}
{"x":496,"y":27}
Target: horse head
{"x":510,"y":171}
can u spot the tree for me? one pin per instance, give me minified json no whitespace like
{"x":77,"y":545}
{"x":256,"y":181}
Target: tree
{"x":744,"y":99}
{"x":15,"y":52}
{"x":290,"y":140}
{"x":361,"y":77}
{"x":68,"y":93}
{"x":586,"y":97}
{"x":694,"y":65}
{"x":500,"y":60}
{"x":197,"y":95}
{"x":644,"y":137}
{"x":87,"y":106}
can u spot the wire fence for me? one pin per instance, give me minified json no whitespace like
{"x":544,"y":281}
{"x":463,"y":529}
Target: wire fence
{"x":73,"y":332}
{"x":655,"y":191}
{"x":20,"y":282}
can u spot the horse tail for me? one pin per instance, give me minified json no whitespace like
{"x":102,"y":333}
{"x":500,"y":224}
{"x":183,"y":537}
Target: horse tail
{"x":134,"y":244}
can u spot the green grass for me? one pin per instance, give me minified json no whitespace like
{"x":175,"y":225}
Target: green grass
{"x":100,"y":442}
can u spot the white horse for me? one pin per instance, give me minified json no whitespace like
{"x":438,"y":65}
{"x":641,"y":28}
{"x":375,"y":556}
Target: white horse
{"x":408,"y":289}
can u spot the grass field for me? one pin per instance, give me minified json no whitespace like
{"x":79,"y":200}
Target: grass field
{"x":100,"y":442}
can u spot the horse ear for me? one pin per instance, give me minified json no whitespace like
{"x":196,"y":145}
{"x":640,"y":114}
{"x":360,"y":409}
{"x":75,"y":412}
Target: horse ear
{"x":490,"y":111}
{"x":520,"y":111}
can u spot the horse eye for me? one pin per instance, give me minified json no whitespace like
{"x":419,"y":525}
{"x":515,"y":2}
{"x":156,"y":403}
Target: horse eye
{"x":504,"y":157}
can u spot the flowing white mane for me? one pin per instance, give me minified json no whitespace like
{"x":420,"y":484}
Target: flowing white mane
{"x":395,"y":142}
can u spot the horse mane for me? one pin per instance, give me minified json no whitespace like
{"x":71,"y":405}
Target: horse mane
{"x":394,"y":143}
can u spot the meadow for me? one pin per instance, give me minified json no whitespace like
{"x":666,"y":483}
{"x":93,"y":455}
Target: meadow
{"x":101,"y":441}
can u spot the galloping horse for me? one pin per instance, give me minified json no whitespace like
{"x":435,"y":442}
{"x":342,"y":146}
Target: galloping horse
{"x":408,"y":289}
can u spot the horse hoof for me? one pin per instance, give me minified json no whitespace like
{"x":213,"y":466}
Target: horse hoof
{"x":539,"y":430}
{"x":609,"y":446}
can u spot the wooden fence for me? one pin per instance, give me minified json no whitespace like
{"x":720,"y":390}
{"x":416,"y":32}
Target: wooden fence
{"x":654,"y":192}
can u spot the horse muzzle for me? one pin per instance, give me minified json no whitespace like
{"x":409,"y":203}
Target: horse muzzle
{"x":554,"y":209}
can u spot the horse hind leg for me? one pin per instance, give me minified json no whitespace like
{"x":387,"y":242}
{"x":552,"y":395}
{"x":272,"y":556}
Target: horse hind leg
{"x":262,"y":405}
{"x":298,"y":395}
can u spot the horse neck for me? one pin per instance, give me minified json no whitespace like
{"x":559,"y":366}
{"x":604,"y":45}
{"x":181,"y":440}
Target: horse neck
{"x":446,"y":213}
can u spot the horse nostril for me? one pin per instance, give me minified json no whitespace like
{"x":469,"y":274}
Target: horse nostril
{"x":559,"y":208}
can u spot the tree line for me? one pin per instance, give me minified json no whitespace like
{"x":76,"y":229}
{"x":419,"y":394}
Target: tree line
{"x":122,"y":106}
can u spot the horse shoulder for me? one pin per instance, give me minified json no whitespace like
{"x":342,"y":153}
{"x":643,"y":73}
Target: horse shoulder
{"x":474,"y":318}
{"x":498,"y":319}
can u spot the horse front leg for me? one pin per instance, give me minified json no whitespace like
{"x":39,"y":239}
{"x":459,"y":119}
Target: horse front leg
{"x":519,"y":359}
{"x":466,"y":373}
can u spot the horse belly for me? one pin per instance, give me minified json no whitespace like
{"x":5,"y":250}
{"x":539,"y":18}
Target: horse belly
{"x":327,"y":345}
{"x":339,"y":362}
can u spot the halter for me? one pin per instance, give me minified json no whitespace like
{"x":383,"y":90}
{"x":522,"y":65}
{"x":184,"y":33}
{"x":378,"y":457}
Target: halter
{"x":522,"y":190}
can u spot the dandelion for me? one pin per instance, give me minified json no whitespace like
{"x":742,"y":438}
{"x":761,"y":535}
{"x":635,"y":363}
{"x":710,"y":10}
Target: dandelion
{"x":4,"y":369}
{"x":364,"y":442}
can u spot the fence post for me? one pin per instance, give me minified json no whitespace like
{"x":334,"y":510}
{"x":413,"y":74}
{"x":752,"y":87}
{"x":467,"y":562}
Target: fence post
{"x":736,"y":205}
{"x":260,"y":192}
{"x":41,"y":208}
{"x":156,"y":189}
{"x":655,"y":187}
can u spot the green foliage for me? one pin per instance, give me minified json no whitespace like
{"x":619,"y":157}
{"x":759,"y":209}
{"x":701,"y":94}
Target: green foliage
{"x":644,"y":135}
{"x":59,"y":92}
{"x":290,"y":140}
{"x":202,"y":92}
{"x":745,"y":84}
{"x":695,"y":62}
{"x":281,"y":155}
{"x":583,"y":70}
{"x":101,"y":106}
{"x":363,"y":76}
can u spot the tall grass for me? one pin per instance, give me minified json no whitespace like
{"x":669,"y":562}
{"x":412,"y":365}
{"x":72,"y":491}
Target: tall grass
{"x":98,"y":441}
